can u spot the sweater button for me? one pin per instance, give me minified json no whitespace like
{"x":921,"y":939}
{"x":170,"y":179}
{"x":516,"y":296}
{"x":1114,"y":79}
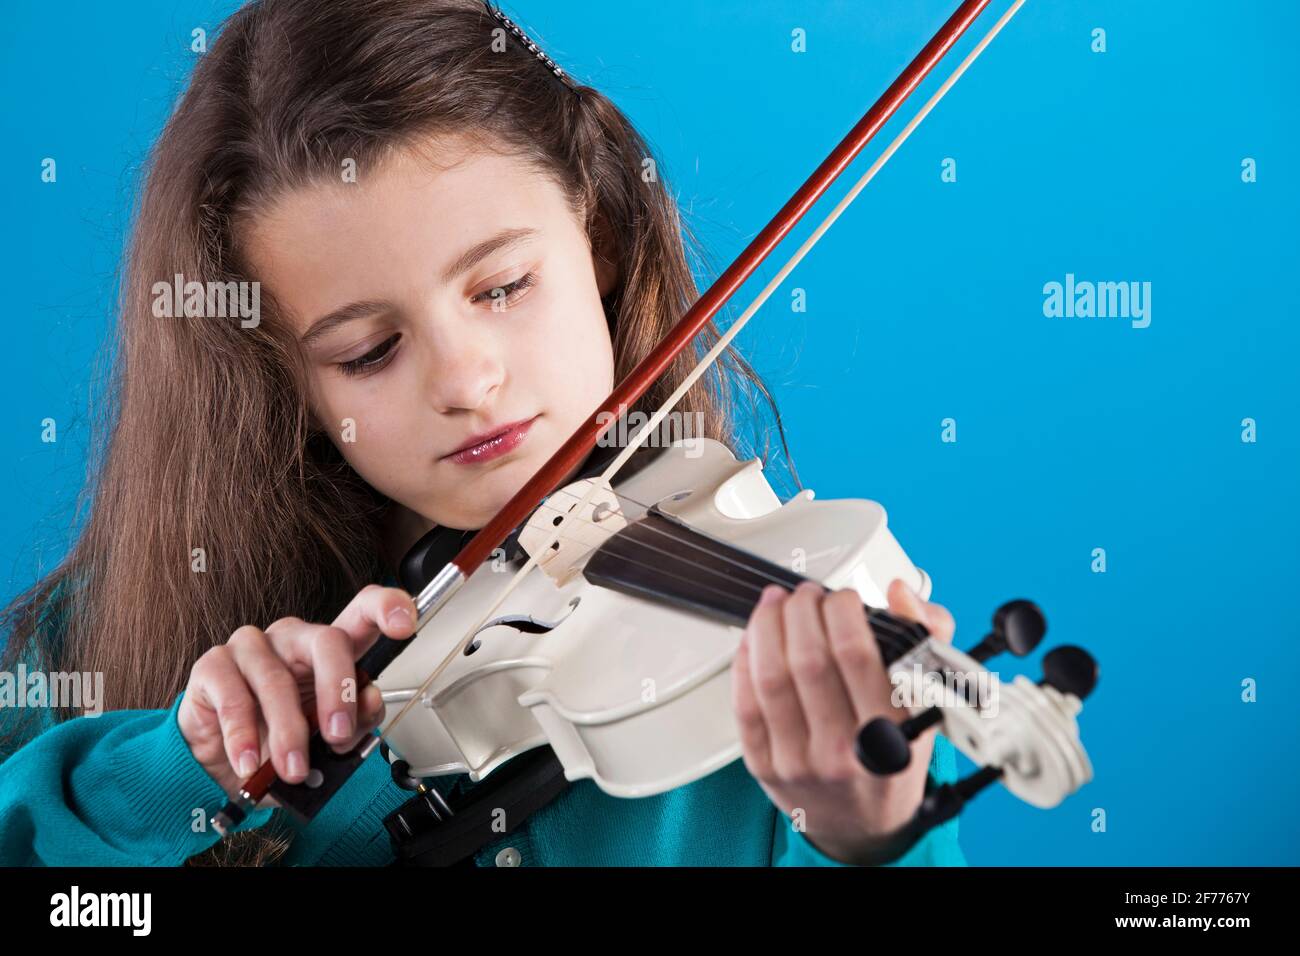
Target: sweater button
{"x":509,"y":857}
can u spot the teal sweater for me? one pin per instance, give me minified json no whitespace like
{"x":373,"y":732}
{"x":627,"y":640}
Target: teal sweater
{"x":123,"y":789}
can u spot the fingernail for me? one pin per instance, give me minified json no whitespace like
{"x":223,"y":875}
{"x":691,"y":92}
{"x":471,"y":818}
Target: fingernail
{"x":399,"y":618}
{"x":248,"y":763}
{"x":340,"y":725}
{"x":297,"y":764}
{"x":811,"y":586}
{"x":771,"y":594}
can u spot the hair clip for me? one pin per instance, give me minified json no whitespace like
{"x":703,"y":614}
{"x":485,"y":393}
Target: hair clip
{"x":530,"y":46}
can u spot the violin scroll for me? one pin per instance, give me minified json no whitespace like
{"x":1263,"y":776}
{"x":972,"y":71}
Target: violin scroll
{"x":1021,"y":733}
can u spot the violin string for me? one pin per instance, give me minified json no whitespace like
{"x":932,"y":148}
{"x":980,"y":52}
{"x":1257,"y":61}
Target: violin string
{"x":750,"y":594}
{"x":888,"y":632}
{"x":688,"y":537}
{"x":882,"y":618}
{"x":724,"y":340}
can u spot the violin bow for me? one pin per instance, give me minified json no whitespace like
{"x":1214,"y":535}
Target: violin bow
{"x":335,"y":769}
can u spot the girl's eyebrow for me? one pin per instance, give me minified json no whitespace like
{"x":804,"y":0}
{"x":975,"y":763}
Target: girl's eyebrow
{"x":462,"y":263}
{"x":479,"y":251}
{"x":353,"y":310}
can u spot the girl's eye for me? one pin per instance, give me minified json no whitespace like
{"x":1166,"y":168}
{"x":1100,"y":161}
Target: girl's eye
{"x":504,"y":296}
{"x":373,"y":360}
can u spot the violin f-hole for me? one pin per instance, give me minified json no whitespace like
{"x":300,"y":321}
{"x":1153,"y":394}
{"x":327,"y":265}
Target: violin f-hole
{"x":525,"y":623}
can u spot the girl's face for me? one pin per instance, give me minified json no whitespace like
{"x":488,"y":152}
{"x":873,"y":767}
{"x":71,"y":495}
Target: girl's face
{"x":436,"y":305}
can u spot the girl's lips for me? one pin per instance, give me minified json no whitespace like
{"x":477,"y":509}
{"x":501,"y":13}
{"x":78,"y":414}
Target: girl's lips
{"x":494,"y":447}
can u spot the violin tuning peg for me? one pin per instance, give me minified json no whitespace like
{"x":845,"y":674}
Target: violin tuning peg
{"x":1018,"y":627}
{"x":1071,"y":670}
{"x":938,"y":806}
{"x":882,"y":747}
{"x":969,"y":786}
{"x":1022,"y":625}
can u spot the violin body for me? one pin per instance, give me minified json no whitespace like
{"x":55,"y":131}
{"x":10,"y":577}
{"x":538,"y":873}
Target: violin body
{"x":635,"y":694}
{"x":630,"y":693}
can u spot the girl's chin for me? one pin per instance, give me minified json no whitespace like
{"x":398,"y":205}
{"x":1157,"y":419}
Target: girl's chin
{"x":491,"y":491}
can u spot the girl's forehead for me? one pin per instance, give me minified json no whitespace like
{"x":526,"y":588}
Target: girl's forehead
{"x":415,"y":192}
{"x":402,"y":226}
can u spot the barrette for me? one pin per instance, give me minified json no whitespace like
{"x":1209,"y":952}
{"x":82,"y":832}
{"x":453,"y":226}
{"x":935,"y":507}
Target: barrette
{"x":530,"y":46}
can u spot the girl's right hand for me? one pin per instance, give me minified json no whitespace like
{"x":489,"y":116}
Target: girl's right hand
{"x":246,"y":699}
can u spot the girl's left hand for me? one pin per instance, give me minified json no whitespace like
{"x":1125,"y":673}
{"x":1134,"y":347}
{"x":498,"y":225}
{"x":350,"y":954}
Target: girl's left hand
{"x":807,"y":676}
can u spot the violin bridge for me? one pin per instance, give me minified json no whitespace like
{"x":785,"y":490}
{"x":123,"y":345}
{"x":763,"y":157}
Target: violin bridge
{"x":584,"y":531}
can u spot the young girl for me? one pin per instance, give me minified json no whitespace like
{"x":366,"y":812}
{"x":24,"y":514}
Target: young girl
{"x":456,"y":256}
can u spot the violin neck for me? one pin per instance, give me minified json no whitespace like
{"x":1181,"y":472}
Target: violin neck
{"x":663,"y":560}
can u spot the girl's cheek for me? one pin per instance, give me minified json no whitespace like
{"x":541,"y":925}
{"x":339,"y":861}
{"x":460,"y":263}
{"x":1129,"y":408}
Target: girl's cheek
{"x":355,"y":416}
{"x":579,"y":328}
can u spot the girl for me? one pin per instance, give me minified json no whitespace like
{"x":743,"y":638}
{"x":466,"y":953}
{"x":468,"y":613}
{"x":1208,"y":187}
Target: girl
{"x":456,"y":256}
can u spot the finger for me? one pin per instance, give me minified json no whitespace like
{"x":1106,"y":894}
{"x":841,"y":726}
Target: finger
{"x":749,"y":715}
{"x":857,"y":654}
{"x":371,"y":706}
{"x":774,"y":685}
{"x":335,"y":678}
{"x":324,"y":655}
{"x":377,"y":610}
{"x":370,"y":714}
{"x":276,"y":690}
{"x":221,"y":688}
{"x":824,"y":700}
{"x":906,"y":602}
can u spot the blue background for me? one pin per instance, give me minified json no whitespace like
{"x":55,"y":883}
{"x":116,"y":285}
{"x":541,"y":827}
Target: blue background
{"x":924,"y":302}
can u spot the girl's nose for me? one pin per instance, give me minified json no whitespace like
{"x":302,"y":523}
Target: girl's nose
{"x":464,"y":377}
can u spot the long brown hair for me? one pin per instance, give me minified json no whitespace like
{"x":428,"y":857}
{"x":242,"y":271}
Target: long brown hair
{"x":206,"y":441}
